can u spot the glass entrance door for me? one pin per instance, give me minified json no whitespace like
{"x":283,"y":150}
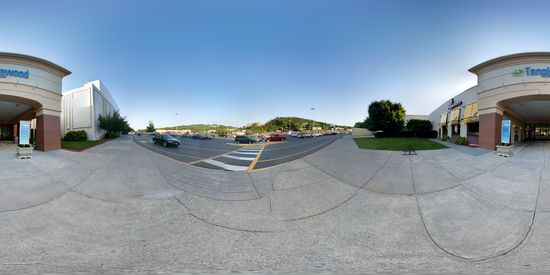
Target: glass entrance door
{"x":6,"y":132}
{"x":538,"y":131}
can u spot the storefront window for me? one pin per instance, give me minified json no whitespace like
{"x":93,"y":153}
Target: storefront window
{"x":473,"y":128}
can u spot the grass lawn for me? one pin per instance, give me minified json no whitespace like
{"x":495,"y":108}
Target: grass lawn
{"x":397,"y":144}
{"x":77,"y":145}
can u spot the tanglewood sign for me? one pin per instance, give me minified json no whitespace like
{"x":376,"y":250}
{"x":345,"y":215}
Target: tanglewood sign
{"x":454,"y":104}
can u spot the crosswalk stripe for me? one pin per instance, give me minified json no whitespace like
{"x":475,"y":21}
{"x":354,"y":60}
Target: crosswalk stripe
{"x":226,"y":166}
{"x":239,"y":158}
{"x":244,"y":153}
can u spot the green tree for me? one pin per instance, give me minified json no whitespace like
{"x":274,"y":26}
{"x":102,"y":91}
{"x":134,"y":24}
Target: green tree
{"x":150,"y":127}
{"x":114,"y":125}
{"x":386,"y":116}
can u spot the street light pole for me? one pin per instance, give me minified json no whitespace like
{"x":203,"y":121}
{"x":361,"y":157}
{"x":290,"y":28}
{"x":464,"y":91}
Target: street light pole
{"x":176,"y":123}
{"x":313,"y":124}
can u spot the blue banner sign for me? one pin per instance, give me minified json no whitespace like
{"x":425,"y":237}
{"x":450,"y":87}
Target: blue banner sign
{"x":24,"y":132}
{"x":505,"y":132}
{"x":14,"y":73}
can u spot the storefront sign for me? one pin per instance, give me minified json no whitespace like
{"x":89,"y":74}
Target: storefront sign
{"x":528,"y":71}
{"x":24,"y":132}
{"x":14,"y":73}
{"x":454,"y":104}
{"x":505,"y":132}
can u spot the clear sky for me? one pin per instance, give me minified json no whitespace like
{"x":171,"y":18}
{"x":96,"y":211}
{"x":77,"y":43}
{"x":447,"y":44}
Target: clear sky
{"x":233,"y":62}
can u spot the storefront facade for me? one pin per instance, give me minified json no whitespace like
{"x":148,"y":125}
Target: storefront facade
{"x":513,"y":87}
{"x":30,"y":89}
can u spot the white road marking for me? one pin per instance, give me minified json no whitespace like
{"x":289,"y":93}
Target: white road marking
{"x":250,"y":150}
{"x":226,"y":166}
{"x":244,"y":153}
{"x":239,"y":158}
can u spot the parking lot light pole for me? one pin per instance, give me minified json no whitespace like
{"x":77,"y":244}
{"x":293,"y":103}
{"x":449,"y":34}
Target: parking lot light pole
{"x":313,"y":124}
{"x":176,"y":123}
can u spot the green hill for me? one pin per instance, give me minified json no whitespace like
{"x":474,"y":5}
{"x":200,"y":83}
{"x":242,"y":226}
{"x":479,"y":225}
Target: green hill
{"x":201,"y":127}
{"x":293,"y":124}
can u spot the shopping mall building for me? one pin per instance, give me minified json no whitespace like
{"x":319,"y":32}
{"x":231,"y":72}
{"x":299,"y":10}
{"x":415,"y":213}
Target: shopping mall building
{"x":513,"y":87}
{"x":31,"y":90}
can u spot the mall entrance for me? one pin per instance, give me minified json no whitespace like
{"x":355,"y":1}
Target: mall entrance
{"x":538,"y":131}
{"x":6,"y":132}
{"x":11,"y":112}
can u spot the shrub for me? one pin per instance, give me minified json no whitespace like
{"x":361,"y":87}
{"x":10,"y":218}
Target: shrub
{"x":419,"y":125}
{"x":76,"y":135}
{"x":445,"y":138}
{"x":461,"y":141}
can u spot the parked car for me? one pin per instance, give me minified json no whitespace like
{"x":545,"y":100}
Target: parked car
{"x":275,"y":137}
{"x":244,"y":139}
{"x":205,"y":136}
{"x":317,"y":134}
{"x":305,"y":135}
{"x":166,"y":140}
{"x":257,"y":138}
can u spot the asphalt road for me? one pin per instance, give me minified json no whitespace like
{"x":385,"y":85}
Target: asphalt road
{"x":223,"y":154}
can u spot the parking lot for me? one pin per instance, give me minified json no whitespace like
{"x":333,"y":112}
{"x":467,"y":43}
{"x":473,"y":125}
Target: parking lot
{"x":224,"y":154}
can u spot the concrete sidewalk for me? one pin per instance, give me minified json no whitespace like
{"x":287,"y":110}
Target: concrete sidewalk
{"x":120,"y":207}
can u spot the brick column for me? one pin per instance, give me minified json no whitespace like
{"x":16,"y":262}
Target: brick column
{"x":48,"y":133}
{"x":489,"y":130}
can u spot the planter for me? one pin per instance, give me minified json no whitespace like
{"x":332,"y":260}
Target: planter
{"x":505,"y":151}
{"x":24,"y":152}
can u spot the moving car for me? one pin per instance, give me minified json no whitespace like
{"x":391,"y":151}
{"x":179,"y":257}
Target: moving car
{"x":245,"y":139}
{"x":166,"y":140}
{"x":275,"y":137}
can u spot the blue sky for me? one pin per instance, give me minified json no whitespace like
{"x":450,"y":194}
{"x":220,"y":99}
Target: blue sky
{"x":233,"y":62}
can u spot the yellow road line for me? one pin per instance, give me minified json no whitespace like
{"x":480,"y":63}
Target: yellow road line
{"x":251,"y":166}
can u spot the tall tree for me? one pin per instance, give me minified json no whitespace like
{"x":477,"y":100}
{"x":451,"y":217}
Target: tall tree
{"x":386,"y":116}
{"x":150,"y":127}
{"x":114,"y":124}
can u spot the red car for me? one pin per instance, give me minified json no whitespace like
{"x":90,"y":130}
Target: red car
{"x":275,"y":137}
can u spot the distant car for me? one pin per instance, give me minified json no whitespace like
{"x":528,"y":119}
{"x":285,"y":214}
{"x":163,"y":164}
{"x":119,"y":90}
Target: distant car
{"x":305,"y":135}
{"x":205,"y":136}
{"x":275,"y":137}
{"x":245,"y":139}
{"x":166,"y":140}
{"x":317,"y":134}
{"x":257,"y":138}
{"x":138,"y":134}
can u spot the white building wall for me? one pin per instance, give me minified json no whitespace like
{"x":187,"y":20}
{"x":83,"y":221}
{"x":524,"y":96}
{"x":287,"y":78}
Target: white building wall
{"x":82,"y":106}
{"x":466,"y":97}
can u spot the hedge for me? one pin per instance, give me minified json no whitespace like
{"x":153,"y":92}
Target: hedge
{"x":76,"y":136}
